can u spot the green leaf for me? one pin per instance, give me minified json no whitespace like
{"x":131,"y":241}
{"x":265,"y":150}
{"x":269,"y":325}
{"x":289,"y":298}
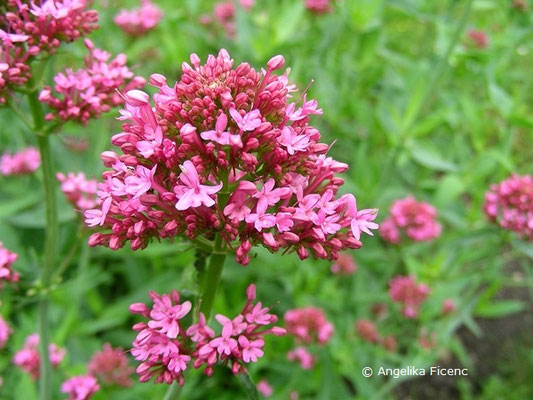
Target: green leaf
{"x":248,"y":386}
{"x":430,"y":157}
{"x":498,"y":309}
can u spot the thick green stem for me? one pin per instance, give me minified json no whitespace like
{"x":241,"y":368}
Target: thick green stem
{"x":172,"y":392}
{"x":51,"y":233}
{"x":209,"y":285}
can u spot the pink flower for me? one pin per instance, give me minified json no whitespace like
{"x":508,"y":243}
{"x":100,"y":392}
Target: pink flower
{"x":92,"y":90}
{"x":404,"y":290}
{"x":264,"y":388}
{"x":510,"y":205}
{"x":5,"y":332}
{"x":416,"y":218}
{"x":24,"y":162}
{"x":7,"y":259}
{"x":318,"y":6}
{"x":237,"y":180}
{"x":166,"y":356}
{"x":308,"y":324}
{"x":219,"y":136}
{"x":78,"y":190}
{"x":29,"y":360}
{"x":111,"y":366}
{"x":193,"y":194}
{"x":478,"y":38}
{"x":249,"y":122}
{"x":367,"y":330}
{"x":448,"y":306}
{"x":301,"y":354}
{"x":139,"y":21}
{"x":80,"y":387}
{"x":345,"y":265}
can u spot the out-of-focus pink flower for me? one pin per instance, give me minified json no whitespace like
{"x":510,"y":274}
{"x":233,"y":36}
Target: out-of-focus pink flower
{"x":166,"y":348}
{"x":448,"y":306}
{"x":7,"y":258}
{"x":219,"y":165}
{"x":520,"y":5}
{"x":427,"y":340}
{"x":293,"y":395}
{"x":416,"y":218}
{"x":80,"y":387}
{"x":90,"y":91}
{"x":75,"y":144}
{"x":224,"y":13}
{"x":308,"y":324}
{"x":367,"y":330}
{"x":265,"y":388}
{"x":344,"y":265}
{"x":379,"y":310}
{"x":510,"y":205}
{"x":389,"y":343}
{"x":24,"y":162}
{"x":301,"y":354}
{"x":78,"y":190}
{"x":5,"y":332}
{"x":139,"y":21}
{"x":111,"y":366}
{"x":318,"y":6}
{"x":478,"y":38}
{"x":404,"y":289}
{"x":29,"y":359}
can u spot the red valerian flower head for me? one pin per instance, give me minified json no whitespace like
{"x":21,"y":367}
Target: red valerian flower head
{"x":139,"y":21}
{"x":367,"y":330}
{"x":510,"y":205}
{"x":318,"y":6}
{"x":308,"y":324}
{"x":111,"y":366}
{"x":79,"y":191}
{"x":80,"y":387}
{"x":24,"y":162}
{"x":90,"y":91}
{"x":416,"y":219}
{"x":7,"y":259}
{"x":225,"y":152}
{"x":166,"y":347}
{"x":405,"y":290}
{"x":28,"y":357}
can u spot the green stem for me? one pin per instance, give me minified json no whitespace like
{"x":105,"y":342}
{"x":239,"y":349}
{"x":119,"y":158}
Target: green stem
{"x":51,"y":233}
{"x":173,"y":391}
{"x":211,"y":279}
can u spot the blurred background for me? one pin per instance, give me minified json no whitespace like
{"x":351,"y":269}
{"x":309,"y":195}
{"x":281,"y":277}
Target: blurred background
{"x":426,"y":98}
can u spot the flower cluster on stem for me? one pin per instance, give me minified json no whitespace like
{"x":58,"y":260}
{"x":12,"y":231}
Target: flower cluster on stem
{"x":417,"y":219}
{"x":224,"y":152}
{"x":166,"y":347}
{"x":79,"y":191}
{"x":405,"y":290}
{"x":80,"y":387}
{"x":510,"y":205}
{"x":90,"y":91}
{"x":28,"y":357}
{"x":139,"y":21}
{"x":7,"y":258}
{"x":21,"y":163}
{"x":111,"y":366}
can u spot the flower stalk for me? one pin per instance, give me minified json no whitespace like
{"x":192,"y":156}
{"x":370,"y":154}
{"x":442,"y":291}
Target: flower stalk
{"x":51,"y":233}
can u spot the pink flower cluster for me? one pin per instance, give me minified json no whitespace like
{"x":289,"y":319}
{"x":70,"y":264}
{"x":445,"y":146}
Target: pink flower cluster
{"x":51,"y":22}
{"x":14,"y":60}
{"x":308,"y":324}
{"x":80,"y":387}
{"x":510,"y":205}
{"x":478,"y":38}
{"x":368,"y":331}
{"x":139,"y":21}
{"x":405,"y":290}
{"x":264,"y":388}
{"x":318,"y":6}
{"x":301,"y":355}
{"x":166,"y":348}
{"x":78,"y":190}
{"x":90,"y":91}
{"x":24,"y":162}
{"x":5,"y":332}
{"x":111,"y":366}
{"x":416,"y":218}
{"x":7,"y":258}
{"x":32,"y":30}
{"x":344,"y":265}
{"x":29,"y":359}
{"x":224,"y":152}
{"x":224,"y":13}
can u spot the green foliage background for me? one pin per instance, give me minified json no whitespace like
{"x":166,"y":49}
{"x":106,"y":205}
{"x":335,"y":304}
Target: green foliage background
{"x":412,"y":107}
